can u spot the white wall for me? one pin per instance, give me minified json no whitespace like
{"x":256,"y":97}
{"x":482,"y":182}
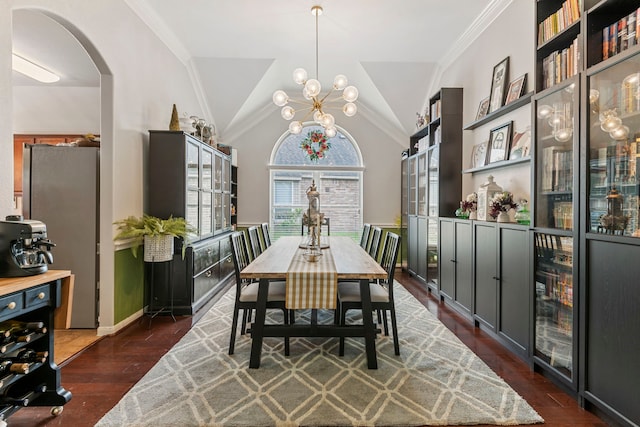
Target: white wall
{"x":512,"y":34}
{"x":381,"y":156}
{"x":147,"y":79}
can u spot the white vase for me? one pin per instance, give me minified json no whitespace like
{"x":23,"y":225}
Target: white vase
{"x":503,"y":217}
{"x":473,"y":215}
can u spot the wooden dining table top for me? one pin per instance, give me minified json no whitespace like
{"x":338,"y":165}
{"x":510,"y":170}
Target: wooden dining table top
{"x":350,"y":260}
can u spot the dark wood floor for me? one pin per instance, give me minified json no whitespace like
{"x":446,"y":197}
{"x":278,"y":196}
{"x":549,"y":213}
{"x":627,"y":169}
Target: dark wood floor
{"x":100,"y":375}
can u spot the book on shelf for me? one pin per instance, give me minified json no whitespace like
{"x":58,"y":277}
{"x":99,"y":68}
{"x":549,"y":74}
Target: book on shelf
{"x":435,"y":110}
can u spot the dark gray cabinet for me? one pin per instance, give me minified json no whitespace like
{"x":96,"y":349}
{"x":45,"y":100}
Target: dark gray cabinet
{"x":190,"y":179}
{"x":434,"y":183}
{"x":456,"y":263}
{"x":502,"y":269}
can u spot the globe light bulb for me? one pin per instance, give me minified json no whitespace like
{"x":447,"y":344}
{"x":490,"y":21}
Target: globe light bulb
{"x":280,"y":98}
{"x":340,"y":82}
{"x":317,"y":116}
{"x":593,"y":96}
{"x":609,"y":121}
{"x":350,"y":93}
{"x":350,"y":109}
{"x":300,"y":75}
{"x":287,"y":112}
{"x":620,"y":134}
{"x":330,"y":131}
{"x":544,"y":111}
{"x":313,"y":87}
{"x":328,"y":120}
{"x":563,"y":135}
{"x":295,"y":127}
{"x":305,"y":94}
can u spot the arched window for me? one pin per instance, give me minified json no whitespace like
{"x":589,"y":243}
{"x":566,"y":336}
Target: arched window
{"x":337,"y":174}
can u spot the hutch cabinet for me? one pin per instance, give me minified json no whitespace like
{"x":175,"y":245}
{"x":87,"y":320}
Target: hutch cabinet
{"x":191,"y":179}
{"x":434,"y":183}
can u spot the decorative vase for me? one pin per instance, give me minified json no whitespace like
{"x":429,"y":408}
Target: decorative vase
{"x":523,"y":216}
{"x":503,"y":217}
{"x":473,"y":215}
{"x":158,"y":248}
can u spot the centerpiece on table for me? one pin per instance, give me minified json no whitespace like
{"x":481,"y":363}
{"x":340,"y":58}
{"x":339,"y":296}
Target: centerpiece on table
{"x":500,"y":205}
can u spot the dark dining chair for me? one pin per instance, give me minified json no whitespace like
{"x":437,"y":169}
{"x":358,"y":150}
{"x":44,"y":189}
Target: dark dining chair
{"x":374,"y":243}
{"x":381,"y":292}
{"x":247,"y":292}
{"x":254,"y":240}
{"x":364,"y":239}
{"x":266,"y":238}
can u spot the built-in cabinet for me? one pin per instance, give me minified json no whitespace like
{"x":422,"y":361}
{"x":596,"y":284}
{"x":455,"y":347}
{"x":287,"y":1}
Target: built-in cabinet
{"x":456,"y":264}
{"x":586,"y":202}
{"x":433,"y":185}
{"x":188,"y":178}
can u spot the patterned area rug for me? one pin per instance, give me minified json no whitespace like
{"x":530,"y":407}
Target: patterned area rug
{"x":437,"y":380}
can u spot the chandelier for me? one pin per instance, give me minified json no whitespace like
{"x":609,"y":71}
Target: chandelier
{"x":314,"y":105}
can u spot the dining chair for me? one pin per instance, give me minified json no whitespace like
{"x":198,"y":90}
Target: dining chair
{"x":266,"y":238}
{"x":254,"y":240}
{"x":364,"y":239}
{"x":381,"y":292}
{"x":247,"y":292}
{"x":374,"y":244}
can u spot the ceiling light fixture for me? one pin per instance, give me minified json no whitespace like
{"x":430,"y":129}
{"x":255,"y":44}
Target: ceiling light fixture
{"x":32,"y":70}
{"x":315,"y":105}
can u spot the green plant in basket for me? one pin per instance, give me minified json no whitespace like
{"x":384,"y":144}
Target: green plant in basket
{"x":137,"y":228}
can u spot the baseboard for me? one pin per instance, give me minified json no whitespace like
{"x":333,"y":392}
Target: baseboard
{"x":109,"y":330}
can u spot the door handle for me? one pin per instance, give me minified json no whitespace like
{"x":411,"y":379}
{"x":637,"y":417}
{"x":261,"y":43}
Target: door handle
{"x":496,"y":278}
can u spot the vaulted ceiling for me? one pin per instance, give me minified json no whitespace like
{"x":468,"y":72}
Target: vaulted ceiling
{"x":241,"y":51}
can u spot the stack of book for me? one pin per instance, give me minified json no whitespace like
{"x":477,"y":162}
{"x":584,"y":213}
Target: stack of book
{"x":559,"y":21}
{"x":621,"y":35}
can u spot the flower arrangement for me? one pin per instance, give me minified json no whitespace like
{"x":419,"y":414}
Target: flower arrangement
{"x":501,"y":202}
{"x":315,"y":152}
{"x":470,"y":204}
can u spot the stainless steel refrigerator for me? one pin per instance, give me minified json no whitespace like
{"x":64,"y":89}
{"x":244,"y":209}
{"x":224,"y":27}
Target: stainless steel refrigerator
{"x":61,"y":188}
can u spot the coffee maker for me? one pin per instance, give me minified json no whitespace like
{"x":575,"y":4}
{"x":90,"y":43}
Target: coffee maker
{"x":24,"y":247}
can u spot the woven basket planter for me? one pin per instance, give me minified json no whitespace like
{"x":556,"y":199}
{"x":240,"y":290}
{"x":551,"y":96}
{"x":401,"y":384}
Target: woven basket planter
{"x":158,"y":248}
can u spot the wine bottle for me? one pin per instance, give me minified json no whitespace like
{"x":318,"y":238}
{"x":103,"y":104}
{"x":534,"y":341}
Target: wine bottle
{"x":7,"y":366}
{"x":28,"y":355}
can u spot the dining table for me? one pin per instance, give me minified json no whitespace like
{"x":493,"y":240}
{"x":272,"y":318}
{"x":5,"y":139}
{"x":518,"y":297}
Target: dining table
{"x":313,"y":285}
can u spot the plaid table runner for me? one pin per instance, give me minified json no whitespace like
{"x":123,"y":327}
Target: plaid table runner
{"x":311,"y":284}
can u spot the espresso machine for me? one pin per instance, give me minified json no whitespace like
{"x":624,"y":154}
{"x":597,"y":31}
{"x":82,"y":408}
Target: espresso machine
{"x":24,"y":247}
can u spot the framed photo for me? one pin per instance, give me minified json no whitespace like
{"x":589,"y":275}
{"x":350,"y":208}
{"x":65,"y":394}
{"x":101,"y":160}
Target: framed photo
{"x":483,"y":108}
{"x":516,"y":89}
{"x":499,"y":85}
{"x":520,"y":145}
{"x":499,"y":142}
{"x":479,"y":155}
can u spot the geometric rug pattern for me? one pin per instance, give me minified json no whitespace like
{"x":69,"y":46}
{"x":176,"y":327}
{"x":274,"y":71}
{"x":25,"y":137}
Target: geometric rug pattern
{"x":436,"y":380}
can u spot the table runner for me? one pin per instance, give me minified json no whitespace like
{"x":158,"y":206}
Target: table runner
{"x":311,"y":284}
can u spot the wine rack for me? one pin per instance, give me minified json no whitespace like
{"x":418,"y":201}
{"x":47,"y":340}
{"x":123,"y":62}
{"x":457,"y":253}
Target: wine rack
{"x":28,"y":374}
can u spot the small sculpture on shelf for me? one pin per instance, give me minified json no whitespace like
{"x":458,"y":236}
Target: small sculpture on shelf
{"x":523,"y":215}
{"x":614,"y":220}
{"x":485,"y":196}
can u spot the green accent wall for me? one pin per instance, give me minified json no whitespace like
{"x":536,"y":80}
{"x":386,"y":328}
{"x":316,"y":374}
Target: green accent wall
{"x":129,"y":284}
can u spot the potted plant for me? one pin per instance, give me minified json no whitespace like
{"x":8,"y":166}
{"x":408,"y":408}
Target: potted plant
{"x":502,"y":203}
{"x":469,"y":206}
{"x":157,"y":235}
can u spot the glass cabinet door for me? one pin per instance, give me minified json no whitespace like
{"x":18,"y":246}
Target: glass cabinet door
{"x":226,"y":175}
{"x":206,"y":200}
{"x":193,"y":185}
{"x":422,"y":184}
{"x":554,"y":301}
{"x":413,"y":180}
{"x":613,"y":137}
{"x":433,"y":180}
{"x":556,"y":131}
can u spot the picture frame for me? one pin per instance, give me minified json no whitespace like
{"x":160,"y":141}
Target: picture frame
{"x":479,"y":155}
{"x":499,"y":85}
{"x":500,"y":142}
{"x":520,"y":144}
{"x":516,"y":89}
{"x":483,"y":108}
